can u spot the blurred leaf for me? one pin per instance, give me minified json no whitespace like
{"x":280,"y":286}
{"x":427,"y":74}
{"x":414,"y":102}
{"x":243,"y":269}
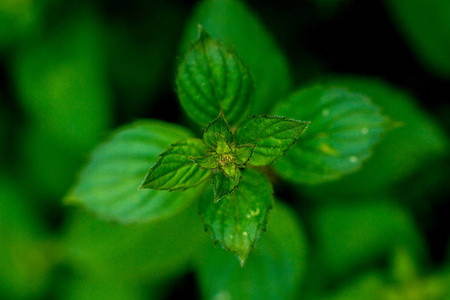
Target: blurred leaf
{"x":344,"y":128}
{"x":19,"y":19}
{"x":62,"y":84}
{"x":273,"y":271}
{"x":112,"y":288}
{"x":48,"y":167}
{"x":237,"y":220}
{"x":367,"y":286}
{"x":133,"y":252}
{"x":24,"y":262}
{"x":426,"y":26}
{"x":212,"y":80}
{"x":273,"y":137}
{"x":236,"y":25}
{"x":351,"y":235}
{"x":108,"y":184}
{"x":401,"y":151}
{"x":175,"y":170}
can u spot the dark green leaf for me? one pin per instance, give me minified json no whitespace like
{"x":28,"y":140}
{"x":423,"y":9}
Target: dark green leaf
{"x":175,"y":170}
{"x":242,"y":154}
{"x":344,"y":128}
{"x":237,"y":26}
{"x":236,"y":221}
{"x":210,"y":161}
{"x":217,"y":130}
{"x":211,"y":79}
{"x":426,"y":26}
{"x":273,"y":271}
{"x":273,"y":137}
{"x":226,"y":181}
{"x":401,"y":152}
{"x":108,"y":183}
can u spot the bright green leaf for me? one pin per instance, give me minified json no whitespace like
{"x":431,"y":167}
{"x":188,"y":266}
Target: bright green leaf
{"x":236,"y":221}
{"x":273,"y":137}
{"x":217,"y":130}
{"x":344,"y":128}
{"x":426,"y":27}
{"x":222,"y":147}
{"x":175,"y":170}
{"x":108,"y":184}
{"x":226,"y":181}
{"x":237,"y":26}
{"x":401,"y":152}
{"x":210,"y":161}
{"x":212,"y":79}
{"x":273,"y":271}
{"x":242,"y":154}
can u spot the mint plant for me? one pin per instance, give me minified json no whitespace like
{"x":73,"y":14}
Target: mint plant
{"x":223,"y":168}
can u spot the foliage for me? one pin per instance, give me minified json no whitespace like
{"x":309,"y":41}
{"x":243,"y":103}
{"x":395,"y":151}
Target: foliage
{"x":128,"y":173}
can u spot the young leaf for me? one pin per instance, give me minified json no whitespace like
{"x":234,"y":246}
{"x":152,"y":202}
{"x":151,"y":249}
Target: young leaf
{"x":212,"y":79}
{"x":234,"y":23}
{"x":210,"y":161}
{"x":242,"y":154}
{"x":175,"y":170}
{"x":226,"y":181}
{"x":273,"y":137}
{"x":217,"y":130}
{"x":345,"y":127}
{"x":108,"y":183}
{"x":236,"y":222}
{"x":274,"y":270}
{"x":222,"y":147}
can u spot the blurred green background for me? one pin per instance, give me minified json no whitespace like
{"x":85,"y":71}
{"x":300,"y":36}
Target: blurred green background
{"x":71,"y":71}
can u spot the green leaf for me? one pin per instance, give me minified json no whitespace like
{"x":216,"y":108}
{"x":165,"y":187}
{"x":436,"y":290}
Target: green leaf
{"x":135,"y":253}
{"x":217,"y":130}
{"x":175,"y":170}
{"x":426,"y":27}
{"x":352,"y":235}
{"x":273,"y":137}
{"x":211,"y":79}
{"x":222,"y":147}
{"x":233,"y":22}
{"x":242,"y":154}
{"x":226,"y":181}
{"x":236,"y":222}
{"x":210,"y":161}
{"x":344,"y":128}
{"x":62,"y":82}
{"x":400,"y":153}
{"x":108,"y":183}
{"x":274,"y":270}
{"x":25,"y":260}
